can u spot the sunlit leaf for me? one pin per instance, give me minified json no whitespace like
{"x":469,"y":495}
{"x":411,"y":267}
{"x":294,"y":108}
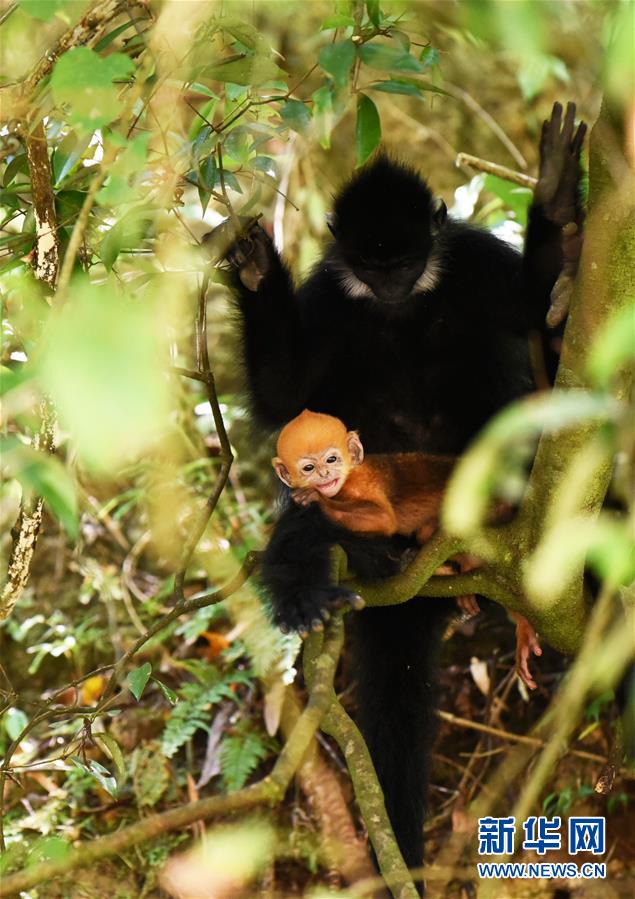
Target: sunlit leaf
{"x":102,"y":364}
{"x":109,"y":745}
{"x":480,"y":468}
{"x":14,"y":721}
{"x":84,"y":80}
{"x":43,"y":9}
{"x":41,"y":474}
{"x":516,"y":198}
{"x":49,"y":849}
{"x":323,"y":115}
{"x":120,"y":187}
{"x":367,"y":129}
{"x":337,"y":21}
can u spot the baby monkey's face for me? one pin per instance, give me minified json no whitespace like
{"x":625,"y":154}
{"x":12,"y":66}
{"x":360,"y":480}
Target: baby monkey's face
{"x":325,"y":471}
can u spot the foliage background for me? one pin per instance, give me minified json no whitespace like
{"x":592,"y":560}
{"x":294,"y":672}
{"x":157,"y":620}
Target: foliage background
{"x":174,"y":116}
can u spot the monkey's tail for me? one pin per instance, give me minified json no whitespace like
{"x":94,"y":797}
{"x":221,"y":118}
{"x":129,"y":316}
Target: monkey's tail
{"x":396,"y":661}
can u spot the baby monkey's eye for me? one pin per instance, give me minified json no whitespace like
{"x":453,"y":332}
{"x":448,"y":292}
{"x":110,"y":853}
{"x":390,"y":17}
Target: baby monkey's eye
{"x":308,"y":468}
{"x":331,"y":460}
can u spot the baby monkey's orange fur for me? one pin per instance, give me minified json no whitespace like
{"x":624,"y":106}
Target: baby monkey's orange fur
{"x":396,"y":493}
{"x":383,"y":494}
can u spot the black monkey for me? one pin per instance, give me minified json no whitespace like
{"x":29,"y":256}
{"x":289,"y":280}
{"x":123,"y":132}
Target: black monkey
{"x":413,"y":330}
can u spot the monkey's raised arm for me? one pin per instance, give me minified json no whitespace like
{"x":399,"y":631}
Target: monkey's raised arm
{"x":556,"y":217}
{"x":277,"y":347}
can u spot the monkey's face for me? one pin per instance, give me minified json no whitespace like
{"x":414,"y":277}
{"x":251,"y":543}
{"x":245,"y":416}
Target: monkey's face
{"x":325,"y":471}
{"x":392,"y":281}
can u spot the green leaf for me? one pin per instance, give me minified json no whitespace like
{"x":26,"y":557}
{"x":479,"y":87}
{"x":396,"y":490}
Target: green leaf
{"x":84,"y":80}
{"x":42,"y":9}
{"x":482,"y":466}
{"x":393,"y":86}
{"x":337,"y":60}
{"x":107,"y":40}
{"x":49,"y":849}
{"x":516,"y":198}
{"x":110,"y":746}
{"x":367,"y":129}
{"x":138,"y":678}
{"x":169,"y":694}
{"x":613,"y":347}
{"x":67,"y":154}
{"x":120,"y":187}
{"x":250,"y":70}
{"x":374,"y":12}
{"x":43,"y":475}
{"x":14,"y":722}
{"x":401,"y":37}
{"x":125,"y":234}
{"x":99,"y":773}
{"x":239,"y":756}
{"x":430,"y":56}
{"x":296,"y":115}
{"x":378,"y":56}
{"x":337,"y":21}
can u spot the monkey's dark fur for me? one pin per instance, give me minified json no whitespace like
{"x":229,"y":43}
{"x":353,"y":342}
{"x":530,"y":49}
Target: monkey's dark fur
{"x":413,"y":330}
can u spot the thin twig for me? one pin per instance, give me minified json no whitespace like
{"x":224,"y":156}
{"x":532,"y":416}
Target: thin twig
{"x":493,"y":168}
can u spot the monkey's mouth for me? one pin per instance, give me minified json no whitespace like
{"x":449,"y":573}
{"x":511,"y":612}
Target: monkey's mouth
{"x":329,"y":488}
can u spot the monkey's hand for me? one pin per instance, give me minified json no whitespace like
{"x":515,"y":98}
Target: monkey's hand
{"x":557,"y":191}
{"x":305,"y":496}
{"x":526,"y":645}
{"x":252,"y":256}
{"x":315,"y":607}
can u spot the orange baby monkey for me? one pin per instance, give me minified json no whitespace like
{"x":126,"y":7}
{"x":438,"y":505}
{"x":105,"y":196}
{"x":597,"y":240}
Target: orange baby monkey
{"x":383,"y":494}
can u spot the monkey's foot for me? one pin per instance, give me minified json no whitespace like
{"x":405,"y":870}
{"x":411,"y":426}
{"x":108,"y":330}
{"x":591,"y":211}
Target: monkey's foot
{"x":526,"y":645}
{"x":315,"y":608}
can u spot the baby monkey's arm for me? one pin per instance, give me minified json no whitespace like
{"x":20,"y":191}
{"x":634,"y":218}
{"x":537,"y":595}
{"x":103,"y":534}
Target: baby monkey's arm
{"x":362,"y":516}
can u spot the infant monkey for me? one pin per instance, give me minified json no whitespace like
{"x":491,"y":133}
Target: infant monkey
{"x":384,"y":494}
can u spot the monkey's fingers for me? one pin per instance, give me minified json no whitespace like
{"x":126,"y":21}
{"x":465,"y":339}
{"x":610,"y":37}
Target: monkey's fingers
{"x":468,"y":605}
{"x":578,"y":139}
{"x":522,"y":668}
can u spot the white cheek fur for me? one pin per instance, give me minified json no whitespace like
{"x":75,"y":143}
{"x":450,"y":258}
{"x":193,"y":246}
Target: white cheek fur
{"x":427,"y":281}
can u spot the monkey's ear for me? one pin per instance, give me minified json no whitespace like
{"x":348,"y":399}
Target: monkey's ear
{"x":439,"y":213}
{"x":282,"y":471}
{"x":355,"y":448}
{"x":331,"y":221}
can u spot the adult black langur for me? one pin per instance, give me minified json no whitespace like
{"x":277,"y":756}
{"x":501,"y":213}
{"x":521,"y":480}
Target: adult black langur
{"x":413,"y":329}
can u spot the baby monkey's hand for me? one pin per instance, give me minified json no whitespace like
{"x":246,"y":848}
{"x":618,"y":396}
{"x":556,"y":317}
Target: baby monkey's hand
{"x":304,"y":496}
